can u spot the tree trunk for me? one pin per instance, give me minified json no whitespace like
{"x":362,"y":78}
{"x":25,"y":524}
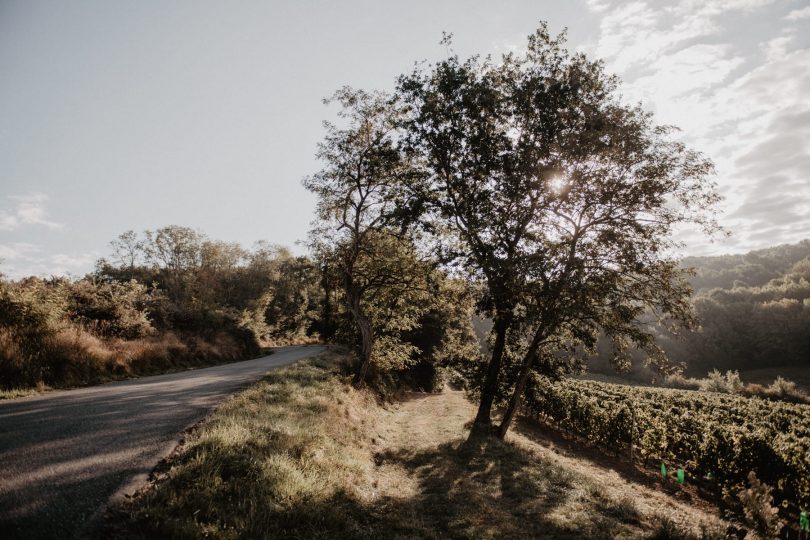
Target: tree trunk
{"x":327,"y":326}
{"x":517,"y":395}
{"x":482,"y":425}
{"x":363,"y":327}
{"x":520,"y":385}
{"x":366,"y":341}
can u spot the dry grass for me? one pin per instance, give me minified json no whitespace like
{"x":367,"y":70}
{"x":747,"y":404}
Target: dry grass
{"x":526,"y":487}
{"x":74,"y":357}
{"x":283,"y":459}
{"x":304,"y":455}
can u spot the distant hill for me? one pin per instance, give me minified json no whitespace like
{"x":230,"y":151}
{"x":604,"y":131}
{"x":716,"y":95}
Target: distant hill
{"x":754,"y":312}
{"x":752,"y":269}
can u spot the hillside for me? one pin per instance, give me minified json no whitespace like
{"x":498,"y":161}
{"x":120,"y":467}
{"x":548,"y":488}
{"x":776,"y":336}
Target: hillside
{"x":753,"y":269}
{"x":754,"y":314}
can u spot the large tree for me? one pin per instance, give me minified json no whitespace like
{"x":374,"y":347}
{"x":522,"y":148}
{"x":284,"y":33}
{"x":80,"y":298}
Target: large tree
{"x":557,"y":196}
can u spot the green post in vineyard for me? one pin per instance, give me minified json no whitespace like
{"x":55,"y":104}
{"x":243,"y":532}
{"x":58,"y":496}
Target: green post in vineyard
{"x":681,"y":476}
{"x":804,"y":522}
{"x":663,"y":470}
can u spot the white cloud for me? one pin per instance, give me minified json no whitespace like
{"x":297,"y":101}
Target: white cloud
{"x":744,"y":104}
{"x":798,"y":14}
{"x":21,"y":259}
{"x":17,"y":250}
{"x":63,"y":263}
{"x":29,"y":209}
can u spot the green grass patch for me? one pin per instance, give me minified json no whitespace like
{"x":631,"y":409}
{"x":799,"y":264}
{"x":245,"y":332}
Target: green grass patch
{"x":281,"y":459}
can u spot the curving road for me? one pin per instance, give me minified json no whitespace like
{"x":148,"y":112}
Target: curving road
{"x":64,"y":455}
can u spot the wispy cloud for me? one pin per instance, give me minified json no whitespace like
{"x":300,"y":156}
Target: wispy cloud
{"x":17,"y":251}
{"x":28,"y":209}
{"x":21,"y":259}
{"x":735,"y":77}
{"x":798,"y":14}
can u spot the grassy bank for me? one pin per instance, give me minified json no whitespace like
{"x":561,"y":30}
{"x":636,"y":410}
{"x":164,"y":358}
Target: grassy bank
{"x":302,"y":454}
{"x":72,"y":357}
{"x":283,"y":459}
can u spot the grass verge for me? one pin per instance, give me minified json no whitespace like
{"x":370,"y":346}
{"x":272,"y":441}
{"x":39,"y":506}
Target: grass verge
{"x":302,"y":454}
{"x":74,"y":358}
{"x":281,"y":459}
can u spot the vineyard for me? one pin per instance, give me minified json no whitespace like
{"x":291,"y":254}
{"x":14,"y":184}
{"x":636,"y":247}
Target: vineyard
{"x":716,"y":438}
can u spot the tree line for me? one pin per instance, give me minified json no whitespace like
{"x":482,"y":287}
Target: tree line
{"x":753,"y":311}
{"x":173,"y":297}
{"x":165,"y":299}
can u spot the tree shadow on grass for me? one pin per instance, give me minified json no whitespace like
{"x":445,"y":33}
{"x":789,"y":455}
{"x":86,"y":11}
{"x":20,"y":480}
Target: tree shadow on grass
{"x":643,"y":473}
{"x":493,"y":489}
{"x":490,"y":490}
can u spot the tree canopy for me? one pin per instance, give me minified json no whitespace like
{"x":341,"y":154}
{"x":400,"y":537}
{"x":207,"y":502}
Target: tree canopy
{"x":559,"y":197}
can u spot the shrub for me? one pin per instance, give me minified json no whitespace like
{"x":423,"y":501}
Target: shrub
{"x":677,"y":380}
{"x":734,"y":384}
{"x":111,"y":309}
{"x":787,"y":390}
{"x":753,"y":390}
{"x":714,"y":382}
{"x":730,"y":383}
{"x":757,"y":504}
{"x":30,"y":313}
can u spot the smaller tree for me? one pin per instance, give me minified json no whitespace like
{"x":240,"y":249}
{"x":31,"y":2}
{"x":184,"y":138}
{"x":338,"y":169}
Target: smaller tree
{"x":360,"y":227}
{"x":127,"y":250}
{"x":176,"y":251}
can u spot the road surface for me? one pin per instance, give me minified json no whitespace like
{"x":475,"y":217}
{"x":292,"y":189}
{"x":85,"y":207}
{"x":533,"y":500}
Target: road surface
{"x":64,"y":455}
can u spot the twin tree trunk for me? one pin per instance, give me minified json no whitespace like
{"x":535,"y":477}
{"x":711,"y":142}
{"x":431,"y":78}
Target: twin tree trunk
{"x":482,"y":425}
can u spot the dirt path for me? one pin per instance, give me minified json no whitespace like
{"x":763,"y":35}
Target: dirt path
{"x":531,"y":487}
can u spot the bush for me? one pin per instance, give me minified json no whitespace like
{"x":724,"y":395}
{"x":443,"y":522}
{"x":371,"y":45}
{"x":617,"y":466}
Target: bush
{"x":730,"y":383}
{"x":29,"y":315}
{"x":111,"y":309}
{"x":677,"y":380}
{"x":753,"y":390}
{"x":757,"y":504}
{"x":714,"y":382}
{"x":786,"y":390}
{"x":61,"y":333}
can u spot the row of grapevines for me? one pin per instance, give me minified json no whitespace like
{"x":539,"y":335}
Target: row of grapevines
{"x":720,"y":435}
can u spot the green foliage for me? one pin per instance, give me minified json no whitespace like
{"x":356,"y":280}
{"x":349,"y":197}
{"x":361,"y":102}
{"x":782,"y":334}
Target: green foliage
{"x":170,"y":298}
{"x":117,"y":309}
{"x":30,"y":313}
{"x":206,"y":283}
{"x":362,"y":232}
{"x":444,"y":339}
{"x":725,"y":435}
{"x":556,"y":196}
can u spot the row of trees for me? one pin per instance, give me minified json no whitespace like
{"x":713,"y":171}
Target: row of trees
{"x":267,"y":290}
{"x":172,"y":297}
{"x":166,"y":299}
{"x":528,"y":179}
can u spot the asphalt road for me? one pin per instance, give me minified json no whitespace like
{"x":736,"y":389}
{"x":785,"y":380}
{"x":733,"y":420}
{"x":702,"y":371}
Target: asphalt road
{"x":64,"y":455}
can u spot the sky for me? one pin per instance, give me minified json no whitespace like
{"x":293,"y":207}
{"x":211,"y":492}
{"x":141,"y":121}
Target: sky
{"x":134,"y":115}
